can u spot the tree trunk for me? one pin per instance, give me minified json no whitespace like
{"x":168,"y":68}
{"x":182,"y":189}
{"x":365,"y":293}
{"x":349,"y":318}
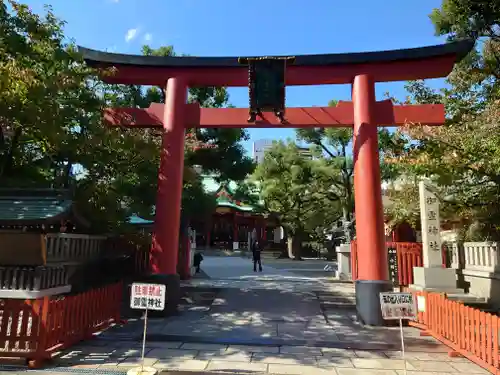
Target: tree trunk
{"x":346,"y":224}
{"x":67,"y":174}
{"x":8,"y":160}
{"x":346,"y":209}
{"x":184,"y":251}
{"x":290,"y":247}
{"x":295,"y":247}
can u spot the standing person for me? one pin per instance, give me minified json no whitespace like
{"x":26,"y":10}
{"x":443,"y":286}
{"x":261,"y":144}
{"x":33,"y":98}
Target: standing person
{"x":197,"y":261}
{"x":256,"y":256}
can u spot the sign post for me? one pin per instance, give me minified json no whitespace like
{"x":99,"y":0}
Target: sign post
{"x":146,"y":297}
{"x":429,"y":216}
{"x":399,"y":306}
{"x":432,"y":276}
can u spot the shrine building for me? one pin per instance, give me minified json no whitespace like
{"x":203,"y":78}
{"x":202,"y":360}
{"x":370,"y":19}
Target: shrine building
{"x":230,"y":225}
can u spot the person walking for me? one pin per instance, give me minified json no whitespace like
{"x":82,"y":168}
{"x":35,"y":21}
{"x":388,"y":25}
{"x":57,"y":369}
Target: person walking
{"x":256,"y":250}
{"x":197,"y":261}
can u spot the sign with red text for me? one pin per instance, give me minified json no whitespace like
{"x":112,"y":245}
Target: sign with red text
{"x":148,"y":296}
{"x":398,"y":306}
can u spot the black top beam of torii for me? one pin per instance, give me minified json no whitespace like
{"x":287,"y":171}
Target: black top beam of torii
{"x":267,"y":75}
{"x":460,"y":49}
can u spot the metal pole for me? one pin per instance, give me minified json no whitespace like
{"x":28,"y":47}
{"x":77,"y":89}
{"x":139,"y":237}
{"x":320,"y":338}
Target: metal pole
{"x":402,"y":344}
{"x":144,"y":339}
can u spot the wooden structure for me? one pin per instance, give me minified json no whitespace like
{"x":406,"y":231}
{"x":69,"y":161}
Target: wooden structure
{"x":233,"y":220}
{"x":37,"y":328}
{"x":57,"y":286}
{"x":364,"y":114}
{"x":231,"y":223}
{"x":401,"y":258}
{"x":38,"y":257}
{"x":39,"y":211}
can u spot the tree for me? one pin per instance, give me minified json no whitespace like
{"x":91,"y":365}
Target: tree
{"x":52,"y":134}
{"x":46,"y":95}
{"x":298,"y":191}
{"x":334,"y":146}
{"x":50,"y":112}
{"x":216,"y":151}
{"x":248,"y":191}
{"x":462,"y":157}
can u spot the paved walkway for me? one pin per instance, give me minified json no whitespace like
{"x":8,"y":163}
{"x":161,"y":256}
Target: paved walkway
{"x":238,"y":268}
{"x":233,"y":272}
{"x":273,"y":322}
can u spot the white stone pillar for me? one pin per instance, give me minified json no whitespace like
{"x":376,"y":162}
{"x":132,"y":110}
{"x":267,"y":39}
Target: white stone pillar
{"x":192,"y":239}
{"x":432,"y":276}
{"x":343,"y":261}
{"x":278,"y":234}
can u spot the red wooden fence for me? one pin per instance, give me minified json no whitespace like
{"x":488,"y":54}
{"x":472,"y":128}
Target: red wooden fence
{"x":408,"y":255}
{"x":34,"y":329}
{"x":470,"y":332}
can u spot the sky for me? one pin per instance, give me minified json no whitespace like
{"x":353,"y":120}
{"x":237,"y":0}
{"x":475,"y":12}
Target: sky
{"x":253,"y":28}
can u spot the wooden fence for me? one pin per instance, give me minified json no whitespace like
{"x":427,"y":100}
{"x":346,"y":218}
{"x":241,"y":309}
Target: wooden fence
{"x":34,"y":329}
{"x":138,"y":248}
{"x":402,"y":257}
{"x":468,"y":331}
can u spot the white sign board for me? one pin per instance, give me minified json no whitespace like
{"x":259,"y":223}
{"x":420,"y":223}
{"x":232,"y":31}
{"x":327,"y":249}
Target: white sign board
{"x":148,"y":296}
{"x":431,"y":232}
{"x":398,"y":306}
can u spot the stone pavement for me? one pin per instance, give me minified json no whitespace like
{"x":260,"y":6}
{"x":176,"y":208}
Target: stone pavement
{"x":275,"y":323}
{"x":233,"y":272}
{"x":237,"y":268}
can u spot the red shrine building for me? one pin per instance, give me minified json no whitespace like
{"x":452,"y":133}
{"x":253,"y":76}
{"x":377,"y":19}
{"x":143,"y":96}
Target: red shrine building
{"x":230,"y":225}
{"x":232,"y":222}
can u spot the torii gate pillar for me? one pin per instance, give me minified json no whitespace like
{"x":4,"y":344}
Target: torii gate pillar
{"x":165,"y":243}
{"x":364,"y":114}
{"x":372,"y":267}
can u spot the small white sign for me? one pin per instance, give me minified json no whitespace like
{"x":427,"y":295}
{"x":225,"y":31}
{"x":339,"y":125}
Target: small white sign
{"x":421,"y":303}
{"x":148,"y":296}
{"x":398,"y":306}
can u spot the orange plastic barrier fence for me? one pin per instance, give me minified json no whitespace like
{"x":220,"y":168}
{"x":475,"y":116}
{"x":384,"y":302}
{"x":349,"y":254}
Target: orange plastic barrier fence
{"x":468,"y":331}
{"x":34,"y":329}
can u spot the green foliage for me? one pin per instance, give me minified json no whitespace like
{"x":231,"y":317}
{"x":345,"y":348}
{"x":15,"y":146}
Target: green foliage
{"x":46,"y":94}
{"x":51,"y":114}
{"x":216,"y":151}
{"x":333,"y":146}
{"x":51,"y":122}
{"x":248,"y":191}
{"x":467,"y":19}
{"x":298,"y":191}
{"x":462,"y":157}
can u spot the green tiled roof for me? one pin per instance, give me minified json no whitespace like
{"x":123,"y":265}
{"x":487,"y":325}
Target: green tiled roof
{"x":225,"y":191}
{"x":211,"y":186}
{"x":26,"y":208}
{"x":224,"y":201}
{"x":136,"y":220}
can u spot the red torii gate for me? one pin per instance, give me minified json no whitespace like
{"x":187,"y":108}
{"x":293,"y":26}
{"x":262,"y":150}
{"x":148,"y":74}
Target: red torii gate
{"x":364,"y":113}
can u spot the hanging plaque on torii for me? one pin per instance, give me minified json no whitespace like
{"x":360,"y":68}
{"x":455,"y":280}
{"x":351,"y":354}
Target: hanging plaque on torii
{"x":266,"y":85}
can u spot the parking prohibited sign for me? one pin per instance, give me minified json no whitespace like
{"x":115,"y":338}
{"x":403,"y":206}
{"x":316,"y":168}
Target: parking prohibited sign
{"x":148,"y":296}
{"x":398,"y":306}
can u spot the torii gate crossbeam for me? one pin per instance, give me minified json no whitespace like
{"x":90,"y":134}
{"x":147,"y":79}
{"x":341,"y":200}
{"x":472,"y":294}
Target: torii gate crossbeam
{"x":364,"y":114}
